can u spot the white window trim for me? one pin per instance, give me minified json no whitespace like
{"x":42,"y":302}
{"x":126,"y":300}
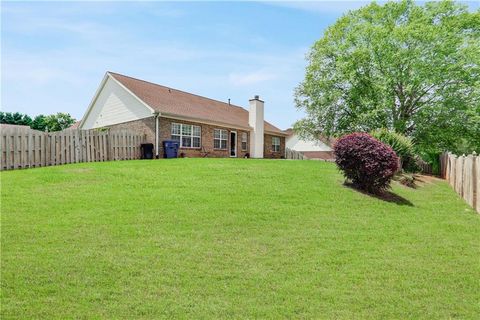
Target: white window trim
{"x":220,"y":139}
{"x":244,"y":134}
{"x":275,"y":145}
{"x":191,"y":136}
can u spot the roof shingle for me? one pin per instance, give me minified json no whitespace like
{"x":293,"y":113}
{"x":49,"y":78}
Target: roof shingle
{"x":173,"y":102}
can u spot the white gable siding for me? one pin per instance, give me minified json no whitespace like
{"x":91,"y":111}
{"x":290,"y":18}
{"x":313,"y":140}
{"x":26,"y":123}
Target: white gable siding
{"x":114,"y":105}
{"x":295,"y":143}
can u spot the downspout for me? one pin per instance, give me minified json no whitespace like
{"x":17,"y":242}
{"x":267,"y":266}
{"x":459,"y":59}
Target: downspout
{"x":156,"y":115}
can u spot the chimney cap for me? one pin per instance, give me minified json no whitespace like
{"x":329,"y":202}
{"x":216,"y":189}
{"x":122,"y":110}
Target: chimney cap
{"x":256,"y":97}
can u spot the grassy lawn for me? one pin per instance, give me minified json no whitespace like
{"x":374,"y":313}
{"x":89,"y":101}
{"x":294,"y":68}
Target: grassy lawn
{"x":206,"y":238}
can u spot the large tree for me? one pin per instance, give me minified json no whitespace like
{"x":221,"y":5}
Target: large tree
{"x":413,"y":69}
{"x":58,"y":122}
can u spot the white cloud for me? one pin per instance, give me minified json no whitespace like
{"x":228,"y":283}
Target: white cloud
{"x":64,"y":72}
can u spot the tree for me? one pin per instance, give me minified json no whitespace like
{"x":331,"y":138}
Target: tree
{"x":15,"y":118}
{"x":409,"y":68}
{"x":53,"y":122}
{"x":58,"y":122}
{"x":39,"y":123}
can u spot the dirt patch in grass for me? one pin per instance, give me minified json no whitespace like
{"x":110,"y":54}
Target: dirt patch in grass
{"x":427,"y":179}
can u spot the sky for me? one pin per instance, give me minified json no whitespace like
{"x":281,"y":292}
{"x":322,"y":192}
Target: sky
{"x":54,"y":54}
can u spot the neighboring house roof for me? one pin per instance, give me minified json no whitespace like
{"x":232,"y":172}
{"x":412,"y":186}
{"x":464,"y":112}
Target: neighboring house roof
{"x":295,"y":142}
{"x":8,"y":125}
{"x":172,"y":102}
{"x":13,"y":126}
{"x":75,"y":125}
{"x":288,"y":131}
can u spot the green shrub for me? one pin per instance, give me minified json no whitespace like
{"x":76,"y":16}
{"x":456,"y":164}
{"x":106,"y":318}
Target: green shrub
{"x":402,"y":145}
{"x":432,"y":158}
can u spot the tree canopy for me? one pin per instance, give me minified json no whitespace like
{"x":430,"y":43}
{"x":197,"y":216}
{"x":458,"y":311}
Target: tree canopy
{"x":58,"y":122}
{"x":15,"y":118}
{"x":53,"y":122}
{"x":409,"y":68}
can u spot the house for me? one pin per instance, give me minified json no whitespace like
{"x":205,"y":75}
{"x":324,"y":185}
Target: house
{"x":319,"y":149}
{"x":204,"y":127}
{"x":75,"y":125}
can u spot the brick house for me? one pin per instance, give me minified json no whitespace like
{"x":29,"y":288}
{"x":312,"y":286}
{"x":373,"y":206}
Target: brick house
{"x":204,"y":127}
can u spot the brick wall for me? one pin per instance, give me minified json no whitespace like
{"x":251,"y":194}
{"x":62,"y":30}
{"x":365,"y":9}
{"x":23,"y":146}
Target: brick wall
{"x":207,"y":140}
{"x":268,"y":149}
{"x":147,"y":126}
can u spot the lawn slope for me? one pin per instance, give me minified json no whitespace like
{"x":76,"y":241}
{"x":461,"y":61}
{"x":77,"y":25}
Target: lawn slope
{"x":231,"y":238}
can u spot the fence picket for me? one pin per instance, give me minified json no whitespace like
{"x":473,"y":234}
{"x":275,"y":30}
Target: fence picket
{"x":31,"y":148}
{"x":292,"y":154}
{"x":463,"y":175}
{"x":41,"y":150}
{"x":476,"y":179}
{"x":2,"y":148}
{"x":16,"y":144}
{"x":47,"y":150}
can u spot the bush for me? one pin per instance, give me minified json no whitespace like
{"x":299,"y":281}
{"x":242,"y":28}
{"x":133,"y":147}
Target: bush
{"x":367,"y":162}
{"x":433,"y":159}
{"x":402,"y":145}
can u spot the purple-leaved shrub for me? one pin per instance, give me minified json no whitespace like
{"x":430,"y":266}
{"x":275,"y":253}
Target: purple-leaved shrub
{"x":367,"y":162}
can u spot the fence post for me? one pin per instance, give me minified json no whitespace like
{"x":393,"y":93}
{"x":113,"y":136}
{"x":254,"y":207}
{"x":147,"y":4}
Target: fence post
{"x":7,"y":150}
{"x":453,"y":169}
{"x":475,"y":182}
{"x":477,"y":179}
{"x":459,"y":175}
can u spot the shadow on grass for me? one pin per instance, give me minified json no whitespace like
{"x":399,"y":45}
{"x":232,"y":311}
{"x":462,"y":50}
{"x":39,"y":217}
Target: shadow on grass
{"x":386,"y":196}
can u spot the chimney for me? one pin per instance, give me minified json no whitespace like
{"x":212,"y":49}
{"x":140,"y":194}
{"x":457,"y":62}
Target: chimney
{"x":255,"y":120}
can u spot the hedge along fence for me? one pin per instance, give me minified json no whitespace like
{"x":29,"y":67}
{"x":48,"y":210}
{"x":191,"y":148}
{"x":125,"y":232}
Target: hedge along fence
{"x":463,"y":174}
{"x":20,"y":148}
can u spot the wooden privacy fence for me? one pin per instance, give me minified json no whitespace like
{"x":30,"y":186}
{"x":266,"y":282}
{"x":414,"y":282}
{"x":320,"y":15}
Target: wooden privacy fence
{"x":292,"y":154}
{"x":463,"y":174}
{"x":425,"y":168}
{"x":21,"y":149}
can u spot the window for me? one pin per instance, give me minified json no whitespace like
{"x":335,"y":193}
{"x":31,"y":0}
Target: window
{"x":220,"y":139}
{"x":276,"y":144}
{"x":244,"y":141}
{"x":189,"y":136}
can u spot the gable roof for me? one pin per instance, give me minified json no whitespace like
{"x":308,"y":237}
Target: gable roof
{"x":329,"y":141}
{"x":173,"y":102}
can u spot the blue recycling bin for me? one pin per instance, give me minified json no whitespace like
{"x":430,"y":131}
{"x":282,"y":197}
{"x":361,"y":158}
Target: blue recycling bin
{"x":170,"y":149}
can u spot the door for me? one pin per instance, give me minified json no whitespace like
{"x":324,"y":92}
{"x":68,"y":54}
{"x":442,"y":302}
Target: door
{"x":233,"y":144}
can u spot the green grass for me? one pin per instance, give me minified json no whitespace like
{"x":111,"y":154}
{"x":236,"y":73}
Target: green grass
{"x":205,"y":238}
